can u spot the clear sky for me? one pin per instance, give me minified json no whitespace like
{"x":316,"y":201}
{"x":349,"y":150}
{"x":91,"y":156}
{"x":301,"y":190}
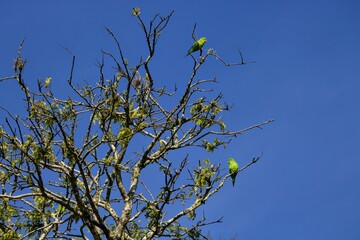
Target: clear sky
{"x":306,"y":77}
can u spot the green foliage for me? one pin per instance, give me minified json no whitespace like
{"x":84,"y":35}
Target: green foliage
{"x":204,"y":172}
{"x":9,"y":234}
{"x":124,"y":136}
{"x":204,"y":113}
{"x":136,"y":11}
{"x":60,"y":209}
{"x":7,"y":212}
{"x":136,"y":232}
{"x":210,"y":147}
{"x":47,"y":82}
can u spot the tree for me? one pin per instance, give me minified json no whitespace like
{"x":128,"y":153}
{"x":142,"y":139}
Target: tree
{"x":73,"y":168}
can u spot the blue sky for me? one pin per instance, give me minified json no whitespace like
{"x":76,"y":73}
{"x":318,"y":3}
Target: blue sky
{"x":306,"y":77}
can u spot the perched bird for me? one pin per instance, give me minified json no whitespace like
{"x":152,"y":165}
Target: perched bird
{"x":233,"y":168}
{"x":197,"y":45}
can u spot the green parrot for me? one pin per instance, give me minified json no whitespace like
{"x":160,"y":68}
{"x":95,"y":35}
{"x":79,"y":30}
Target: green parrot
{"x":197,"y":45}
{"x":233,"y":168}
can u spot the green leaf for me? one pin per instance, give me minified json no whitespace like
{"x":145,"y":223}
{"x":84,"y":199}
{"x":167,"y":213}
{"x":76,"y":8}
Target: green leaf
{"x":47,"y":82}
{"x":136,"y":11}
